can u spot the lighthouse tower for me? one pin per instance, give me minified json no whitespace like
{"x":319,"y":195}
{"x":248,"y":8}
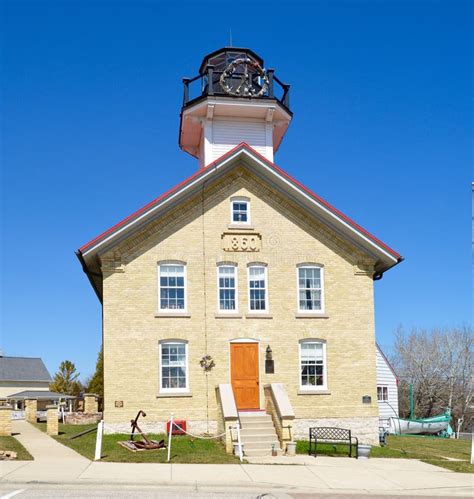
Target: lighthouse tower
{"x":233,"y":99}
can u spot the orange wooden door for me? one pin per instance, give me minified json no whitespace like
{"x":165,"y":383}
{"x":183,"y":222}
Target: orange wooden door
{"x":244,"y":375}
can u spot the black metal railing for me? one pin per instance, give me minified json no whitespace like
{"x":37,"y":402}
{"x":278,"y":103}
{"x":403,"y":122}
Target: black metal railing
{"x":197,"y":87}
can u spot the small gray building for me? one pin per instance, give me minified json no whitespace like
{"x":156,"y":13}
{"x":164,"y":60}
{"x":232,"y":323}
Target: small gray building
{"x":23,"y":374}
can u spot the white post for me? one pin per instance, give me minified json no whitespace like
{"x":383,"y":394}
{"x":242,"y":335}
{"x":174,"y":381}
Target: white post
{"x":169,"y":437}
{"x":472,"y":447}
{"x":98,"y":442}
{"x":241,"y":457}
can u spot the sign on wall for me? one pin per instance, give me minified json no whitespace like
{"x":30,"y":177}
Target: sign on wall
{"x":247,"y":242}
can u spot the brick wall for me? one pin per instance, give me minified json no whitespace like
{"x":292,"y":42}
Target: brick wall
{"x":289,"y":237}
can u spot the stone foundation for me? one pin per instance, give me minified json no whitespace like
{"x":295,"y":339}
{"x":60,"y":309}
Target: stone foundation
{"x":81,"y":418}
{"x":365,"y":429}
{"x":194,"y":427}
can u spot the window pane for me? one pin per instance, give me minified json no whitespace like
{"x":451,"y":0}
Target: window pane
{"x":257,"y":287}
{"x":173,"y":365}
{"x":239,"y":211}
{"x":309,"y":282}
{"x":172,"y":287}
{"x":227,"y":293}
{"x":312,"y":365}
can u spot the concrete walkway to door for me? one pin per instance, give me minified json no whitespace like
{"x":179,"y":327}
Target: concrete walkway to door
{"x":52,"y":460}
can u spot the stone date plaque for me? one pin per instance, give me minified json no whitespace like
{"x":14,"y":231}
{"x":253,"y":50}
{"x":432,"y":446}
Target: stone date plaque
{"x":243,"y":242}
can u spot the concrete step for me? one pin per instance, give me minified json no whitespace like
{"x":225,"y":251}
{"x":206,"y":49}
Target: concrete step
{"x":252,"y":414}
{"x":258,"y":445}
{"x":259,"y":453}
{"x":255,"y":432}
{"x":255,"y":421}
{"x":260,"y":415}
{"x":250,"y":440}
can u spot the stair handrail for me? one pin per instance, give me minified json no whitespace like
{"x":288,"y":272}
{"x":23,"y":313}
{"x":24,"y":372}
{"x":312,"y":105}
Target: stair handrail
{"x":239,"y":442}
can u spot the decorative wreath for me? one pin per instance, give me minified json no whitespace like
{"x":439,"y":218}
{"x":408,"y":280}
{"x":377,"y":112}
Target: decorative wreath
{"x":243,"y":89}
{"x":207,"y":363}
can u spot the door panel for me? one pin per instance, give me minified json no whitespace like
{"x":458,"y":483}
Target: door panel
{"x":245,"y":375}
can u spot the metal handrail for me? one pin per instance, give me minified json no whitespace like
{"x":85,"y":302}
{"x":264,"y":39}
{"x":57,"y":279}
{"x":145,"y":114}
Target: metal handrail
{"x":239,"y":441}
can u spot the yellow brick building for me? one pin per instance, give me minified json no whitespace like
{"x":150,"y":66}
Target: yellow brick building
{"x":243,"y":264}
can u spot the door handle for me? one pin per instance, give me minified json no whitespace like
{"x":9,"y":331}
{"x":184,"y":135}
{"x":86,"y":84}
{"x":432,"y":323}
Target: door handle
{"x":258,"y":382}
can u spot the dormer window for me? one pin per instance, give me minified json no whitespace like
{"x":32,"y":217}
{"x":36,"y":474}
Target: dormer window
{"x":240,"y":211}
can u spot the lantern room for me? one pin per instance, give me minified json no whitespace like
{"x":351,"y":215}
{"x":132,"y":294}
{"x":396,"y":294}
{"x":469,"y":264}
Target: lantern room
{"x":233,"y":99}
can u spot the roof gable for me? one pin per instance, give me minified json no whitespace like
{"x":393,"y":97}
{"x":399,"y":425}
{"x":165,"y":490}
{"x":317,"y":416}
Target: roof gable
{"x":269,"y":172}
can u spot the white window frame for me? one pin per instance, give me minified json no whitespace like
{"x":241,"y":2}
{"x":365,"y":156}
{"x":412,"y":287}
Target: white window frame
{"x":315,"y":388}
{"x":236,"y":281}
{"x":321,"y":270}
{"x":382,"y":389}
{"x":160,"y":375}
{"x":239,"y":199}
{"x":265,"y":275}
{"x":170,"y":263}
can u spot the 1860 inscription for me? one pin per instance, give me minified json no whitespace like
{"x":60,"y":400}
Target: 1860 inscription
{"x":241,"y":242}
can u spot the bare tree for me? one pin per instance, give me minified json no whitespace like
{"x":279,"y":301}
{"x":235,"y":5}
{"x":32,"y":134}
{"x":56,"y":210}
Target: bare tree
{"x":439,"y":365}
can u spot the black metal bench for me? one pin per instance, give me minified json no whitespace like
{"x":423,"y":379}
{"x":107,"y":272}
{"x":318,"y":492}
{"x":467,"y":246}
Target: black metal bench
{"x":327,"y":435}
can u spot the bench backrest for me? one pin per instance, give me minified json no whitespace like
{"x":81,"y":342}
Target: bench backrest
{"x":330,"y":433}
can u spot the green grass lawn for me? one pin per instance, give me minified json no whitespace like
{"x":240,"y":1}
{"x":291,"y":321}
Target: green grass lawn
{"x":429,"y":450}
{"x":184,"y":449}
{"x":11,"y":443}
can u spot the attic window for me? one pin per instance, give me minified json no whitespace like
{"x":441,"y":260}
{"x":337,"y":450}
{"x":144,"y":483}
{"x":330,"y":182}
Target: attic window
{"x":240,"y":211}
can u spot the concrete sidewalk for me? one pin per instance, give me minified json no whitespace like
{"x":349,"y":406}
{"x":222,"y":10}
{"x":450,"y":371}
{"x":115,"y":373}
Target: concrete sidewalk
{"x":52,"y":461}
{"x":55,"y":463}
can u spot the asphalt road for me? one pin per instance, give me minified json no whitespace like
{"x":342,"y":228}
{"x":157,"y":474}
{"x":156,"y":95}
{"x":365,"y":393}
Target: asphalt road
{"x":19,"y":491}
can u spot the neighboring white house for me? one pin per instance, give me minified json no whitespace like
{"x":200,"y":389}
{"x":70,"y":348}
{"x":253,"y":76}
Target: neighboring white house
{"x":387,"y":389}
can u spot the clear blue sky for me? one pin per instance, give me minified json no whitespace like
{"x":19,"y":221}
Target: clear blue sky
{"x":91,"y":93}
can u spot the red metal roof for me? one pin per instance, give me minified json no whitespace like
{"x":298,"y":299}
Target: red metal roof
{"x":243,"y":145}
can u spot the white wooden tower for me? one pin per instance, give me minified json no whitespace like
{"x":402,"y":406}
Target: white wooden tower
{"x":233,"y":100}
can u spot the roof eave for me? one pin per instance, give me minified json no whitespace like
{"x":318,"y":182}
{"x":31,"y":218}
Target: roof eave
{"x":388,"y":258}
